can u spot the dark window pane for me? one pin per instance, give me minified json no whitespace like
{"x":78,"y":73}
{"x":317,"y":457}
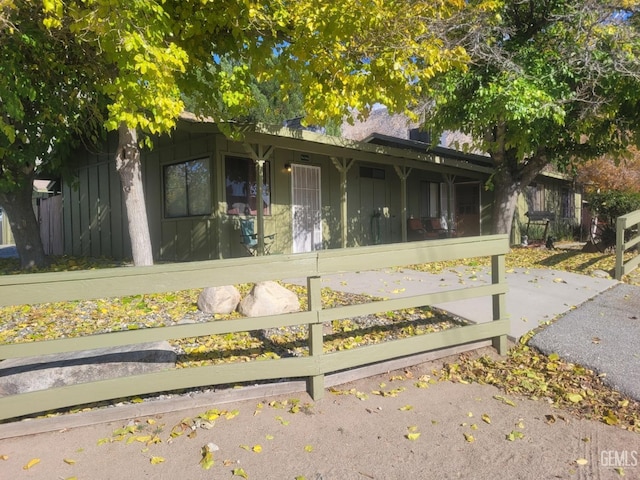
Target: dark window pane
{"x":198,"y":187}
{"x":242,"y":188}
{"x":187,"y":188}
{"x":175,"y":190}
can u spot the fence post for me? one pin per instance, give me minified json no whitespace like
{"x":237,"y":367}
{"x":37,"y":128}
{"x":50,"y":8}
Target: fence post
{"x":621,"y":224}
{"x":315,"y":384}
{"x":498,"y":275}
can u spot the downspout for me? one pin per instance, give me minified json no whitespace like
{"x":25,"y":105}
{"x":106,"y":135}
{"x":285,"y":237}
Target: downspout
{"x":403,"y":173}
{"x":343,"y":165}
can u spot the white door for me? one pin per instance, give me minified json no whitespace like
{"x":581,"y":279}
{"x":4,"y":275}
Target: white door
{"x":306,"y":210}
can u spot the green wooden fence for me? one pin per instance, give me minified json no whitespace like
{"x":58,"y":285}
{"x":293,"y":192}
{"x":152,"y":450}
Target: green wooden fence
{"x":124,"y":281}
{"x":626,"y":226}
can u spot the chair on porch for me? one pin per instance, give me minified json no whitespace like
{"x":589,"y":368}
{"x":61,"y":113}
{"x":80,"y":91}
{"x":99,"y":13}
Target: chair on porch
{"x":437,"y":228}
{"x":249,"y":239}
{"x":427,"y":228}
{"x":415,"y":229}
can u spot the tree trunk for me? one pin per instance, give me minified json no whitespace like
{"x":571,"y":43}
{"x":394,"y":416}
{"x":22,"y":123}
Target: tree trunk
{"x":504,"y":206}
{"x":506,"y":190}
{"x":18,"y":207}
{"x":510,"y":179}
{"x":129,"y":166}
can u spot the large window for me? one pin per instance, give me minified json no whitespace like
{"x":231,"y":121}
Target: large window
{"x":242,"y":189}
{"x":187,"y":188}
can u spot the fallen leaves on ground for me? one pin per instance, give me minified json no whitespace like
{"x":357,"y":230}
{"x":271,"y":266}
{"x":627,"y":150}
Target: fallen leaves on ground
{"x":527,"y":372}
{"x":523,"y":372}
{"x":31,"y":463}
{"x":565,"y":259}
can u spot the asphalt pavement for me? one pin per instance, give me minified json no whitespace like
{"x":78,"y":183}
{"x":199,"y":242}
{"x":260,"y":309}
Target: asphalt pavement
{"x":602,"y":334}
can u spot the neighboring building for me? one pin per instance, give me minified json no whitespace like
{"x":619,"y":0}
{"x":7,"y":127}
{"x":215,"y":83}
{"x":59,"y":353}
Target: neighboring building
{"x":317,"y":192}
{"x":47,"y":207}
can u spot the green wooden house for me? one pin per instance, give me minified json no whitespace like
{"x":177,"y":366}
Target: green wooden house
{"x":312,"y":191}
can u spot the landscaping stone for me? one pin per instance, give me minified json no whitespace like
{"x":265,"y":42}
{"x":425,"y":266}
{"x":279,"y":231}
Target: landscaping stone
{"x":600,"y":274}
{"x":222,"y":300}
{"x":20,"y":375}
{"x":269,"y":298}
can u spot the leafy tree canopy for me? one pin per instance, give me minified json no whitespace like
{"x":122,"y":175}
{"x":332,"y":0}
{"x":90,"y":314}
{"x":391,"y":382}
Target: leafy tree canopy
{"x":66,"y":60}
{"x":44,"y":94}
{"x":340,"y":56}
{"x":267,"y":103}
{"x":46,"y":99}
{"x":612,"y":204}
{"x":549,"y":81}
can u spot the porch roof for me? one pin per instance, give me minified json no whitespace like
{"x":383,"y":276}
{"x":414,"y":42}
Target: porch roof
{"x":440,"y":159}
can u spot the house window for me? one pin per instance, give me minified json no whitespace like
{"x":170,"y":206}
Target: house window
{"x":429,"y":199}
{"x":536,"y":198}
{"x":567,"y":207}
{"x":187,"y":188}
{"x":242,"y":189}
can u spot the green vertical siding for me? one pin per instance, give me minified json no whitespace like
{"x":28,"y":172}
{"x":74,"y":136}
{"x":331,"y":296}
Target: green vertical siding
{"x":95,"y":216}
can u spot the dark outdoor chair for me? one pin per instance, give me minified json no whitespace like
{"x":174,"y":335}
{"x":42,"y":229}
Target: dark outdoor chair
{"x":435,"y":228}
{"x":415,"y":229}
{"x":249,"y":239}
{"x":426,"y":229}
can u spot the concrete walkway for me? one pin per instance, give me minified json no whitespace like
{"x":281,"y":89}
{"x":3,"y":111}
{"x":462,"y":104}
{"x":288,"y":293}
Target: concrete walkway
{"x":535,"y":295}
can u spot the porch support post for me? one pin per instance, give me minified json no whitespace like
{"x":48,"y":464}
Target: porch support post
{"x":259,"y":155}
{"x":343,"y":165}
{"x":403,"y":173}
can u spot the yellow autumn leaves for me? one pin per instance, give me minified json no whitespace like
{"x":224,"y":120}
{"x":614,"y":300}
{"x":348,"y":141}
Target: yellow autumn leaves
{"x":525,"y":371}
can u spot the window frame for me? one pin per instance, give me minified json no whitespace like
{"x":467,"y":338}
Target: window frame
{"x":206,"y":162}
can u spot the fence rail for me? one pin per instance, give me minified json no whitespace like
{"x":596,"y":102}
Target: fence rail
{"x":626,"y":226}
{"x":126,"y":281}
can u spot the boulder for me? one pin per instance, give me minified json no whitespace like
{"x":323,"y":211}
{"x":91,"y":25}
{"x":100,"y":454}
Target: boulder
{"x":269,"y":298}
{"x":221,"y":300}
{"x":20,"y":375}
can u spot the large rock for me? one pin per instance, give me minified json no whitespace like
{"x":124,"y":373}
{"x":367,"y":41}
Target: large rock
{"x":269,"y":298}
{"x":19,"y":375}
{"x":221,"y":300}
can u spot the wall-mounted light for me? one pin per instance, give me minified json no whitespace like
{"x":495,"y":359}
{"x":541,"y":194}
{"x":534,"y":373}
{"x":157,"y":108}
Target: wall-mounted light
{"x":287,"y":167}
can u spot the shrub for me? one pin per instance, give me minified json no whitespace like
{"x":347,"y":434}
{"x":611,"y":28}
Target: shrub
{"x":613,"y":204}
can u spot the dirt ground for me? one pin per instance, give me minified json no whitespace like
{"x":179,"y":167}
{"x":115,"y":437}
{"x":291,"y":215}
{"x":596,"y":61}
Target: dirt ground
{"x":396,"y":425}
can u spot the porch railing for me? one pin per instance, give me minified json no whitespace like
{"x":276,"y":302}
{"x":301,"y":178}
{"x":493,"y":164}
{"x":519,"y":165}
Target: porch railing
{"x":627,"y":237}
{"x":126,"y":281}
